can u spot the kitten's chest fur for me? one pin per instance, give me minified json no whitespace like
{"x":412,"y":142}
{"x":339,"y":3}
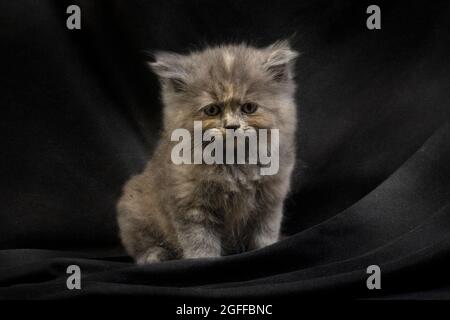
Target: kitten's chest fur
{"x":232,"y":190}
{"x":230,"y":195}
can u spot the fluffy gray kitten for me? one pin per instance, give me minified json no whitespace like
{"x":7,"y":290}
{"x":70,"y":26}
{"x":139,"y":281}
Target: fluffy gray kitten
{"x":174,"y":211}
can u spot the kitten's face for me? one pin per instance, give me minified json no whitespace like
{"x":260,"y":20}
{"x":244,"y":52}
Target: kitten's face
{"x":229,"y":87}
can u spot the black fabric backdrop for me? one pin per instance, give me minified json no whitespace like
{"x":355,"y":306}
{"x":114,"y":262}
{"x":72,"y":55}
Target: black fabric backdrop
{"x":80,"y":113}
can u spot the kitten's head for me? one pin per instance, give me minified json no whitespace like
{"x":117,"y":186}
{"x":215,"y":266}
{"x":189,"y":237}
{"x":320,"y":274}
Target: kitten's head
{"x":229,"y":87}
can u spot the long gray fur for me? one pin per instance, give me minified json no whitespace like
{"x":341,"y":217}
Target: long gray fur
{"x":190,"y":211}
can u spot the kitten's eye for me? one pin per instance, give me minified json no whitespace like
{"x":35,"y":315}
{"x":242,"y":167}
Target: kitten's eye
{"x":211,"y":110}
{"x":249,"y":107}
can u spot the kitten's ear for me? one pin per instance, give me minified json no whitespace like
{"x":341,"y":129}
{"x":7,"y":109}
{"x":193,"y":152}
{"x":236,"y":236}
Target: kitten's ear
{"x":280,"y":59}
{"x":171,"y":68}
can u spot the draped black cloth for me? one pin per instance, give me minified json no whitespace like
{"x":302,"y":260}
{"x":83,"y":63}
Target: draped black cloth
{"x":80,"y":113}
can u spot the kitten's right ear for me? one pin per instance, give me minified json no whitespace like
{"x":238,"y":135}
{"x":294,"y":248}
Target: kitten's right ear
{"x":280,"y":60}
{"x":171,"y":69}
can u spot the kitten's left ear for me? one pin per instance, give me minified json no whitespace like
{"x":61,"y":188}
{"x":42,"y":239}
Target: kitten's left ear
{"x":280,"y":59}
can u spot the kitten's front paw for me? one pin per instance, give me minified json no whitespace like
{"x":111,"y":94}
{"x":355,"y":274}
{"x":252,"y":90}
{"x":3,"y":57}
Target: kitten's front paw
{"x":261,"y":241}
{"x":153,"y":255}
{"x":197,"y":254}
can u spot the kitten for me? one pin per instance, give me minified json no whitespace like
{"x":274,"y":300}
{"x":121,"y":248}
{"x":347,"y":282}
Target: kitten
{"x":197,"y":210}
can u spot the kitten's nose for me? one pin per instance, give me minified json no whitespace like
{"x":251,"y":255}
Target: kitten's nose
{"x":231,"y":122}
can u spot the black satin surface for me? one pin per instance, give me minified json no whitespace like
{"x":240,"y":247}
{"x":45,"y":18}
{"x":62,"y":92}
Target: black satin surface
{"x":80,"y":114}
